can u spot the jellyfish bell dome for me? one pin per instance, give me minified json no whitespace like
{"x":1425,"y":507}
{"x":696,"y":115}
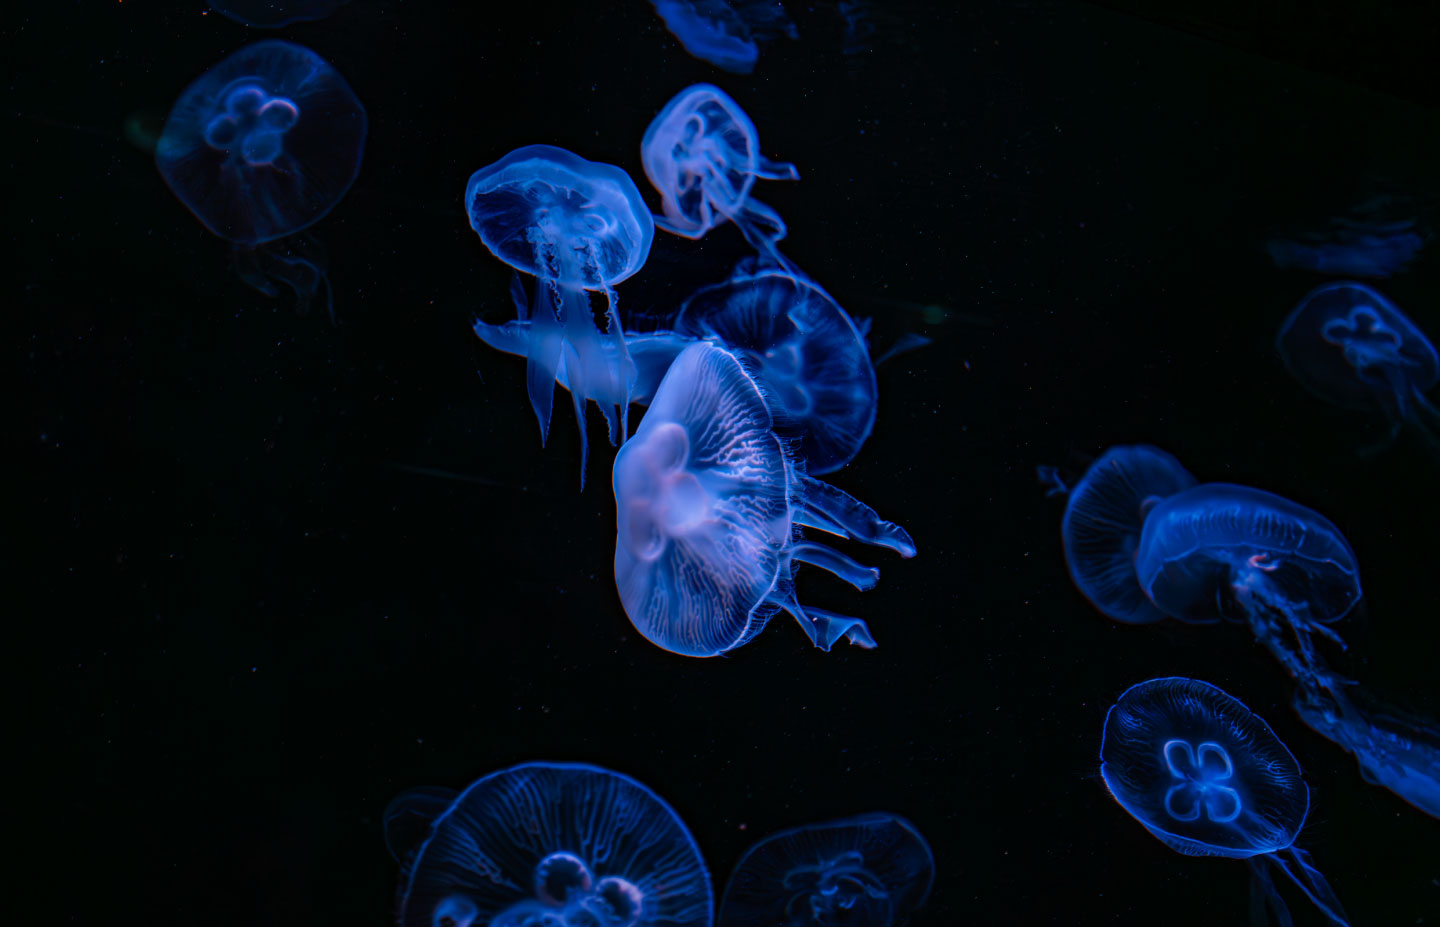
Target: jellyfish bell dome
{"x":563,"y":844}
{"x":263,"y":144}
{"x":807,"y":353}
{"x":1202,"y":772}
{"x":1219,"y":550}
{"x":552,"y":214}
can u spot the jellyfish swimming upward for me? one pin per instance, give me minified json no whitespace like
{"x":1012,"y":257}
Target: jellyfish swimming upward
{"x":261,"y":147}
{"x":1207,"y":777}
{"x":1350,"y":345}
{"x":867,"y":871}
{"x":547,"y":845}
{"x":577,"y":227}
{"x":707,"y":500}
{"x":702,"y":154}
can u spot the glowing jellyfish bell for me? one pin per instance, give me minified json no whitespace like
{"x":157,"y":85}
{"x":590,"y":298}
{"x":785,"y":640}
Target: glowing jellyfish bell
{"x":1104,"y":516}
{"x":547,"y":845}
{"x":707,"y":501}
{"x":577,"y":226}
{"x":702,"y":154}
{"x":726,"y":33}
{"x":867,"y":871}
{"x":1351,"y":346}
{"x":1207,"y":777}
{"x":261,"y":147}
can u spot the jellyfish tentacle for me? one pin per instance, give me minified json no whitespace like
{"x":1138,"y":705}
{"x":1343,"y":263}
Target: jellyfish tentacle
{"x":775,"y":170}
{"x":822,"y":626}
{"x":833,"y":510}
{"x":1309,"y":880}
{"x":857,"y":574}
{"x":1263,"y":895}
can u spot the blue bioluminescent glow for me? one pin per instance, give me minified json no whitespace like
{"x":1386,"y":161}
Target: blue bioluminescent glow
{"x":702,"y":154}
{"x":550,"y":845}
{"x":867,"y":871}
{"x":1208,"y":777}
{"x":577,"y":226}
{"x":707,"y":501}
{"x":726,"y":33}
{"x":272,"y":14}
{"x":1350,"y":345}
{"x":1104,"y":515}
{"x":260,"y":147}
{"x":806,"y":352}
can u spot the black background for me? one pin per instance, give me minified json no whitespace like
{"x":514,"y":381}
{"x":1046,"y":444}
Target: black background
{"x":240,"y":624}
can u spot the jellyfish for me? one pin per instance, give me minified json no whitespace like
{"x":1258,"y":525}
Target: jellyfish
{"x":707,"y":502}
{"x":867,"y":871}
{"x":1103,"y":519}
{"x":547,"y":845}
{"x":1207,"y":777}
{"x":272,"y":14}
{"x":702,"y":154}
{"x":261,"y":147}
{"x":726,"y":33}
{"x":577,"y":226}
{"x":1351,"y":346}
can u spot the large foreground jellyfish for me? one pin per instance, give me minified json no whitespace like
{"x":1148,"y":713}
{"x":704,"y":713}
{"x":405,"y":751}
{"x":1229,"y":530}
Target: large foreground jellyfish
{"x":547,"y":845}
{"x":726,"y":33}
{"x":261,"y":147}
{"x":702,"y":154}
{"x":1208,"y":777}
{"x":1104,"y":516}
{"x":1351,"y":346}
{"x":272,"y":14}
{"x":576,"y":226}
{"x":707,"y":503}
{"x":866,"y":871}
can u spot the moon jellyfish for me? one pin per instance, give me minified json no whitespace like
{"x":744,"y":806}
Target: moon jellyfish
{"x":702,"y":154}
{"x":547,"y":845}
{"x":577,"y":226}
{"x":272,"y":14}
{"x":1207,"y":777}
{"x":1104,"y":516}
{"x":1351,"y":346}
{"x":261,"y":147}
{"x":726,"y":33}
{"x":707,"y":503}
{"x":866,"y":871}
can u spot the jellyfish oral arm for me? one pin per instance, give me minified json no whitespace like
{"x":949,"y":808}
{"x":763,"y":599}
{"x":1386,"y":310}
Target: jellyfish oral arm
{"x":1300,"y":870}
{"x":835,"y":511}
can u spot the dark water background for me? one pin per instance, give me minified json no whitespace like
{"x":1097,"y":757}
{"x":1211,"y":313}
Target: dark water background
{"x":240,"y":628}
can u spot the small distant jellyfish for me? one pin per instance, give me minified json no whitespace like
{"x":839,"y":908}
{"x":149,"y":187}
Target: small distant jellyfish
{"x":707,"y":503}
{"x":1351,"y":346}
{"x":807,"y":355}
{"x":261,"y":147}
{"x":548,"y":845}
{"x":726,"y":33}
{"x":867,"y":871}
{"x":272,"y":14}
{"x":702,"y":154}
{"x":577,"y":226}
{"x":1104,"y":516}
{"x":1207,"y":777}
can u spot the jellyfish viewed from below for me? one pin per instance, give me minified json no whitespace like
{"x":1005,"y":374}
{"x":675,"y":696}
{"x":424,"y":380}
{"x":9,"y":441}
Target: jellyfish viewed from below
{"x":707,"y":502}
{"x":726,"y":33}
{"x":261,"y":147}
{"x":702,"y":154}
{"x":272,"y":14}
{"x":1351,"y":346}
{"x":578,"y":227}
{"x":548,"y":845}
{"x":1208,"y":777}
{"x":1104,"y":515}
{"x":867,"y":871}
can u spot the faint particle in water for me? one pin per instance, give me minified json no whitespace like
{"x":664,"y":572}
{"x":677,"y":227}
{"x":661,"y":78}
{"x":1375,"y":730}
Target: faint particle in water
{"x":261,"y":147}
{"x":707,"y":501}
{"x":272,"y":14}
{"x":546,"y":845}
{"x":1349,"y":345}
{"x":726,"y":33}
{"x":872,"y":870}
{"x":1208,"y":777}
{"x":576,"y":226}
